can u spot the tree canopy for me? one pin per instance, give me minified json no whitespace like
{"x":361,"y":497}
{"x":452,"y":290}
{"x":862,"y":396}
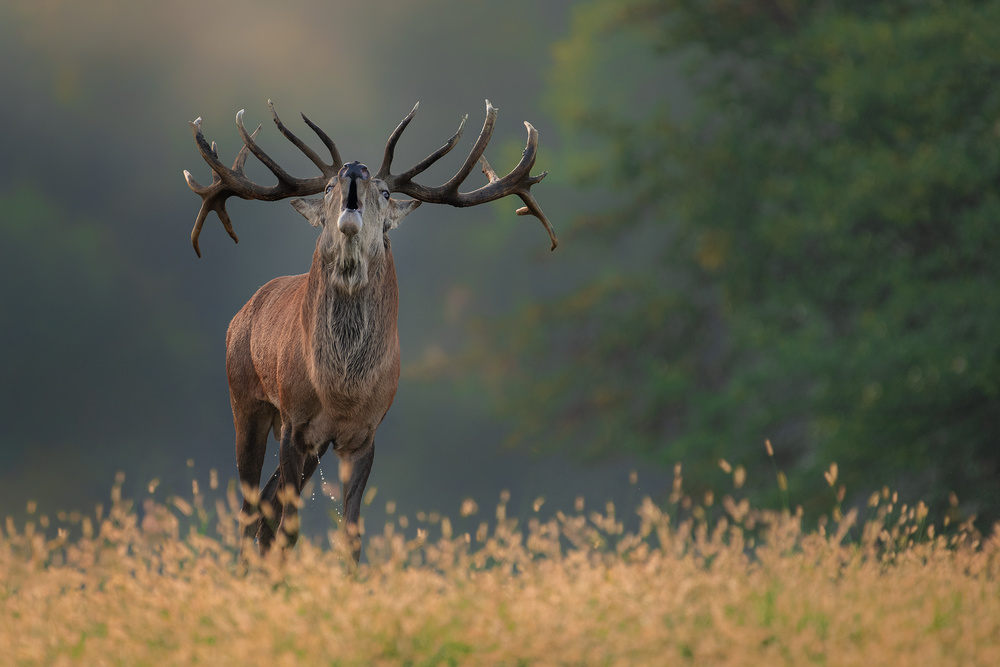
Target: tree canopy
{"x":805,"y":225}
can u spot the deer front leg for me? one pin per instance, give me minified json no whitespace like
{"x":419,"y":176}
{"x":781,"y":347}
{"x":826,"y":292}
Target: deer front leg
{"x":354,"y":471}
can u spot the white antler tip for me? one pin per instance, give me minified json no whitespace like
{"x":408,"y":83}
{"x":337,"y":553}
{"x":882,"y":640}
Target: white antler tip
{"x":193,"y":184}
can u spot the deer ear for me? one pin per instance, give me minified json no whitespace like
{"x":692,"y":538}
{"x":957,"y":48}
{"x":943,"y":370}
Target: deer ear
{"x":313,"y":210}
{"x":397,"y":211}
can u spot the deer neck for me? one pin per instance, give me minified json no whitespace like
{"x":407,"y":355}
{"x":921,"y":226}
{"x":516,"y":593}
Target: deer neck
{"x":352,"y":329}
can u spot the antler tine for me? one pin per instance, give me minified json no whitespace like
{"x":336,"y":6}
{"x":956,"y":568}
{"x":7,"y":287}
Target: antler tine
{"x":337,"y":161}
{"x":517,"y":182}
{"x":531,"y":206}
{"x":421,"y":166}
{"x":329,"y":170}
{"x":390,"y":145}
{"x":384,"y":171}
{"x":208,"y":151}
{"x":477,"y":150}
{"x":273,"y":167}
{"x":230,"y":181}
{"x":220,"y":210}
{"x":224,"y":183}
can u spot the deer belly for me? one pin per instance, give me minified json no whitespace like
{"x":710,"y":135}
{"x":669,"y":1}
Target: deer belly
{"x":345,"y":435}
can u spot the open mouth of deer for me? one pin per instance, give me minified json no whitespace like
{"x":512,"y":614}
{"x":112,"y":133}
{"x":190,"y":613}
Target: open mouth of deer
{"x":350,"y":220}
{"x":352,"y":203}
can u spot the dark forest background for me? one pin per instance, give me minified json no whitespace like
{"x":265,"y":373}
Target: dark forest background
{"x":778,"y":221}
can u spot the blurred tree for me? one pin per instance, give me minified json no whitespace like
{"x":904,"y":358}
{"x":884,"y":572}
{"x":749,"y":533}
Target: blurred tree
{"x":802,"y":243}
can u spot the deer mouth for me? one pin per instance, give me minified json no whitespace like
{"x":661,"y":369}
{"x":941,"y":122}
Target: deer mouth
{"x":352,"y":203}
{"x":350,"y":212}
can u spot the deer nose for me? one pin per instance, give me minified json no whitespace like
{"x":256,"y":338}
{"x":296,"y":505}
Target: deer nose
{"x":355,"y":170}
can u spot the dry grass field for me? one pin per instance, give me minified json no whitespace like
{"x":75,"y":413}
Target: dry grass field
{"x":699,"y":582}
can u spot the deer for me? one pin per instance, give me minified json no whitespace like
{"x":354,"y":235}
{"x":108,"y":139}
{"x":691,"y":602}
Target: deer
{"x":315,"y":358}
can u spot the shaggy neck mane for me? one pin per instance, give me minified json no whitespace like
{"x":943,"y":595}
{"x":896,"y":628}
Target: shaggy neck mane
{"x":346,"y":317}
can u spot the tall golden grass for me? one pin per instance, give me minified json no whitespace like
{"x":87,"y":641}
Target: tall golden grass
{"x":698,"y":582}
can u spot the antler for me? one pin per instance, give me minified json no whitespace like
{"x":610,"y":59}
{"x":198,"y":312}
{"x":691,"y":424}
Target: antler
{"x":517,"y":182}
{"x":227,"y":182}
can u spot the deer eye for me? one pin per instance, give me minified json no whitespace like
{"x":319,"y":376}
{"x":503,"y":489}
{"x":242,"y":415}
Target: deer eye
{"x":329,"y":189}
{"x":385,"y":194}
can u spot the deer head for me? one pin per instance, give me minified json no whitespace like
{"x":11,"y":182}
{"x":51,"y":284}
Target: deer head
{"x":357,"y":209}
{"x":355,"y":216}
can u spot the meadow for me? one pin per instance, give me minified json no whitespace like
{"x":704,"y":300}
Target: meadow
{"x":701,"y":581}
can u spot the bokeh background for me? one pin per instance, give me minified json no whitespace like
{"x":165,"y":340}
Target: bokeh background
{"x":778,"y":221}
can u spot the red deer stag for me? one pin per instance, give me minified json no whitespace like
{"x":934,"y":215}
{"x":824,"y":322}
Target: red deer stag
{"x":315,"y":357}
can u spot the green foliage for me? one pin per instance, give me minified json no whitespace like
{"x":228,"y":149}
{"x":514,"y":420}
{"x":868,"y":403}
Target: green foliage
{"x":799,"y":242}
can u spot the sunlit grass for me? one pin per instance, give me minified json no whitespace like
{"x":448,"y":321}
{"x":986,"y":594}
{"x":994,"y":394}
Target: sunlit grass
{"x":697,"y":582}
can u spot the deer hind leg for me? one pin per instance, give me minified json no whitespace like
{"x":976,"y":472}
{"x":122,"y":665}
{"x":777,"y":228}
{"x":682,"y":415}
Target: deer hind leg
{"x":252,"y":430}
